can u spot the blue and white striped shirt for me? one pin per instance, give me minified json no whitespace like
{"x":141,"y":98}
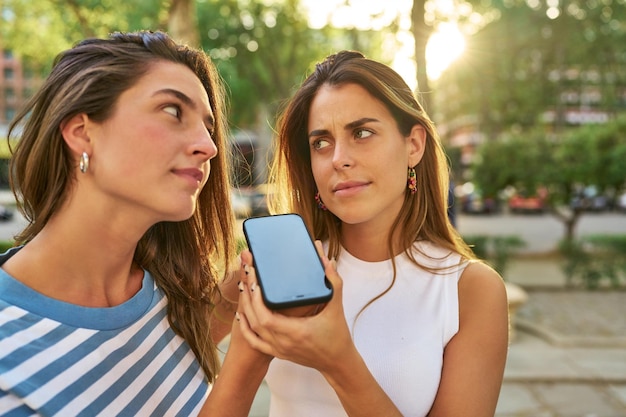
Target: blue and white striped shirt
{"x":60,"y":359}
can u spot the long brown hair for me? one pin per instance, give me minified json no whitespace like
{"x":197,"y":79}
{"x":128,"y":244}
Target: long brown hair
{"x":423,"y":215}
{"x":182,"y":256}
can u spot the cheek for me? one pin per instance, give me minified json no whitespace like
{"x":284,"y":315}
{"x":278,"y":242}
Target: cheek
{"x":150,"y":136}
{"x":320,"y":175}
{"x":402,"y":177}
{"x":316,"y":169}
{"x":149,"y":143}
{"x":127,"y":150}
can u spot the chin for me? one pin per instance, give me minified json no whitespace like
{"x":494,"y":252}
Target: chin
{"x":349,"y":217}
{"x":180,"y":216}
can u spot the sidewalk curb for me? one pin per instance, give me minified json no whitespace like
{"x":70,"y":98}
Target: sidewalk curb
{"x":560,"y":340}
{"x":563,"y":380}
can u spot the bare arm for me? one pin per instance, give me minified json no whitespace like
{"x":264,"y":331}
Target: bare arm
{"x":224,"y":313}
{"x":241,"y":375}
{"x":474,"y":360}
{"x":321,"y":341}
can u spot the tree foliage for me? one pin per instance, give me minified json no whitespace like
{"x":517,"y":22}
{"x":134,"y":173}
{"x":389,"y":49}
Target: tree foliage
{"x":37,"y":30}
{"x":522,"y":69}
{"x":262,"y":49}
{"x":591,"y":155}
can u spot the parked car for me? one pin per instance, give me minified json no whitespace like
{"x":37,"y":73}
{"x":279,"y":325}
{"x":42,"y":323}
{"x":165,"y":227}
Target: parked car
{"x":6,"y":214}
{"x":522,"y":202}
{"x":471,"y":200}
{"x":258,"y":200}
{"x":620,"y":203}
{"x":590,"y":199}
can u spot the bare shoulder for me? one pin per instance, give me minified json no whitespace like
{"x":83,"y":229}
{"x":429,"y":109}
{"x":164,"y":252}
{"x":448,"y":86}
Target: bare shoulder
{"x":471,"y":387}
{"x":482,"y":297}
{"x":481,"y":282}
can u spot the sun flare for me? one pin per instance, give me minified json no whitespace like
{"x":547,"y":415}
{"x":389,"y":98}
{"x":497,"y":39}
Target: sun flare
{"x":445,"y":45}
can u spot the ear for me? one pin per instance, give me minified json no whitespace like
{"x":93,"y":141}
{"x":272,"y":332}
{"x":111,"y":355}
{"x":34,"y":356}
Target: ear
{"x":75,"y":134}
{"x":416,"y":144}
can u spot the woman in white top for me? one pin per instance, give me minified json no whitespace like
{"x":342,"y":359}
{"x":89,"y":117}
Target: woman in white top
{"x":417,"y":326}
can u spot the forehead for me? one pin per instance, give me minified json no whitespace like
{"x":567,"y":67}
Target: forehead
{"x":167,"y":75}
{"x":350,"y":101}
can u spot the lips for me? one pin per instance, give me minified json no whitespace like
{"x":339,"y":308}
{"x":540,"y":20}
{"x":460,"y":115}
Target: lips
{"x":193,"y":173}
{"x":348,"y":186}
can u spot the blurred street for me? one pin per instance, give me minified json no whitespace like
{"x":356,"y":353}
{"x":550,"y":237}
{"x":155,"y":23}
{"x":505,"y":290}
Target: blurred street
{"x":541,"y":232}
{"x":568,"y":358}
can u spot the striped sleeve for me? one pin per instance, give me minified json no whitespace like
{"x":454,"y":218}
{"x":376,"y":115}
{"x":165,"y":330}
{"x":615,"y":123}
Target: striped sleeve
{"x":54,"y":369}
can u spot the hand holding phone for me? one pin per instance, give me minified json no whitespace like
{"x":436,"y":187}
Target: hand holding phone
{"x":289,"y":270}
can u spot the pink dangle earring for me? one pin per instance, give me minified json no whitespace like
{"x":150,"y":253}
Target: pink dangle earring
{"x":320,"y":203}
{"x":412,"y":180}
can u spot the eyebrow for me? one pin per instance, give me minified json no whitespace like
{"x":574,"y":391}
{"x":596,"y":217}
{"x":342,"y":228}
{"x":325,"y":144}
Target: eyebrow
{"x":185,"y":99}
{"x":349,"y":126}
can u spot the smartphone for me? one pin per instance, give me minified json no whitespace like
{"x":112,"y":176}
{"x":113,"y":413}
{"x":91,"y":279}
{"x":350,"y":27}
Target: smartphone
{"x":288,"y":268}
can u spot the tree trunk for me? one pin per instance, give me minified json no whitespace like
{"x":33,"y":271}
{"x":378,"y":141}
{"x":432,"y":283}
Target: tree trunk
{"x":421,"y":33}
{"x":570,"y":227}
{"x":182,"y":22}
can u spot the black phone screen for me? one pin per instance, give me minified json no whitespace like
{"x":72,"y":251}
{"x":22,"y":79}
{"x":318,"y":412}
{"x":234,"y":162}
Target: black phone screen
{"x":289,"y":270}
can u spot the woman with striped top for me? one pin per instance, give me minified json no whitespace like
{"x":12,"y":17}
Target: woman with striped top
{"x":110,"y":303}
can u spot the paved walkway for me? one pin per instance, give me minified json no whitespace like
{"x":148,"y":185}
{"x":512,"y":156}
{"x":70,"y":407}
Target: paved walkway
{"x":570,"y":355}
{"x":544,"y":380}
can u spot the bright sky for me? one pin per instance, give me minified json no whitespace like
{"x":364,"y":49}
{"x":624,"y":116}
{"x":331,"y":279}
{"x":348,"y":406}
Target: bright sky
{"x":445,"y":45}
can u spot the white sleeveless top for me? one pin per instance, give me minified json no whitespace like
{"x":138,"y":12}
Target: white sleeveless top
{"x":401,"y":336}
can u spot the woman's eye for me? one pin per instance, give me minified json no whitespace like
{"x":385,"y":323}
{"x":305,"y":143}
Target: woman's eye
{"x":320,"y":144}
{"x":173,"y":110}
{"x":362,"y":134}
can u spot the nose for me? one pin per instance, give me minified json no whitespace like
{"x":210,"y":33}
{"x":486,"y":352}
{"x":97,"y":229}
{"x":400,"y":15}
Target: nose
{"x":342,"y":156}
{"x":203,"y":144}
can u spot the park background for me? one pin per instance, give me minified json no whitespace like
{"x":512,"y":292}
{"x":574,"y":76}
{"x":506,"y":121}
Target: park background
{"x":529,"y":97}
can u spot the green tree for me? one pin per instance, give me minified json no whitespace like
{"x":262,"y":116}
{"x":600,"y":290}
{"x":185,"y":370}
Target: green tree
{"x":262,"y":49}
{"x":182,"y":22}
{"x":592,"y":155}
{"x":37,"y":31}
{"x":536,"y":64}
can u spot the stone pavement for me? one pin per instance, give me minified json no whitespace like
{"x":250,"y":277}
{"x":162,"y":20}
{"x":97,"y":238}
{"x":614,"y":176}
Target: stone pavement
{"x":569,"y":357}
{"x":544,"y":380}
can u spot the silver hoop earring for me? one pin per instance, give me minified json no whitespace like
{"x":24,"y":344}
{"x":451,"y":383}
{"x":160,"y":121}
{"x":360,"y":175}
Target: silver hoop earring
{"x":83,"y":164}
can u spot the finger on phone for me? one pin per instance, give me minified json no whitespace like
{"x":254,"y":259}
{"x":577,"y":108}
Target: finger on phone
{"x":253,"y":339}
{"x":320,"y":250}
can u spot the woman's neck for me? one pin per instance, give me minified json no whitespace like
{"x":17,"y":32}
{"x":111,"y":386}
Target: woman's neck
{"x":77,"y":263}
{"x":367,"y":244}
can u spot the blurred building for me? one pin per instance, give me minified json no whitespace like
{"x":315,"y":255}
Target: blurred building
{"x":525,"y":71}
{"x":17,"y":84}
{"x":579,"y":97}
